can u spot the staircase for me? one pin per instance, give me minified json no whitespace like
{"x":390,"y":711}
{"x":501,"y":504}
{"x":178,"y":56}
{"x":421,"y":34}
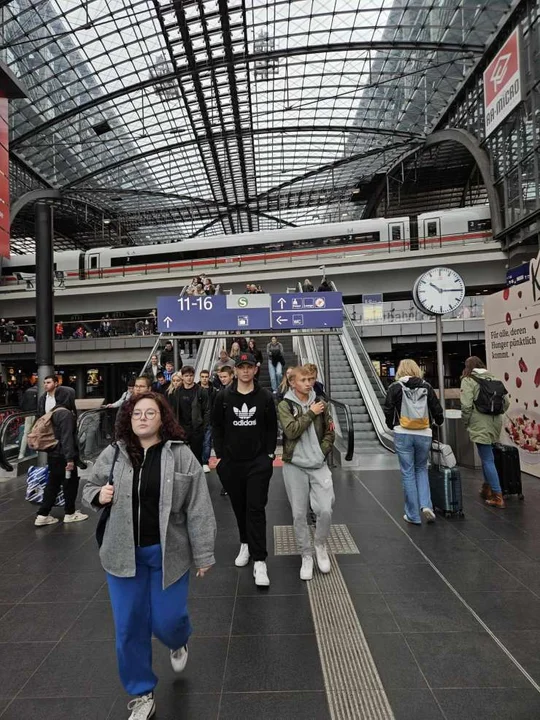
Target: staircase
{"x":343,"y":387}
{"x":262,"y":341}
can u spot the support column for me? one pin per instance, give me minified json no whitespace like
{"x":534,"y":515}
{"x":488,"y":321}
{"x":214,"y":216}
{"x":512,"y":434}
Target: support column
{"x":326,"y":364}
{"x":44,"y":293}
{"x":81,"y":382}
{"x":440,"y":371}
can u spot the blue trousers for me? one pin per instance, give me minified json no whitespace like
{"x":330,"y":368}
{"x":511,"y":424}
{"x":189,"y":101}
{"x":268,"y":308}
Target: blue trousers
{"x":141,"y":607}
{"x":413,"y":453}
{"x":488,"y":467}
{"x":207,"y":445}
{"x":276,"y":375}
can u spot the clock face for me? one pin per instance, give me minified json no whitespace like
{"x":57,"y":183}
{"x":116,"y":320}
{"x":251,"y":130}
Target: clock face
{"x":439,"y":291}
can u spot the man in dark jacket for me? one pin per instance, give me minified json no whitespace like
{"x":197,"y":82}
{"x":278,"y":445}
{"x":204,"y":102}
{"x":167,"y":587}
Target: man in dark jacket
{"x":62,"y":470}
{"x":244,"y":424}
{"x":56,"y":396}
{"x":193,"y":411}
{"x":211,"y":392}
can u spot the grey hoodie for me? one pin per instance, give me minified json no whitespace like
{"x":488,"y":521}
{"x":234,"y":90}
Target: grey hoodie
{"x":307,"y":453}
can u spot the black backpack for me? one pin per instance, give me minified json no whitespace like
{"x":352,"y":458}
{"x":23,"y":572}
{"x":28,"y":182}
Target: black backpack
{"x":490,"y":400}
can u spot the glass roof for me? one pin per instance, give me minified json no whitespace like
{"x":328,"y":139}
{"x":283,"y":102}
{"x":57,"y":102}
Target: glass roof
{"x":205,"y":117}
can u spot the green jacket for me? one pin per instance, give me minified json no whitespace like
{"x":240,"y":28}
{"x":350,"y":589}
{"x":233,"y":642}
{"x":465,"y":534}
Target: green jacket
{"x":295,"y":424}
{"x":482,"y":428}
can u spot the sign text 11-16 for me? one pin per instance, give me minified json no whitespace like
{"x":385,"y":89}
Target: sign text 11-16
{"x":200,"y":303}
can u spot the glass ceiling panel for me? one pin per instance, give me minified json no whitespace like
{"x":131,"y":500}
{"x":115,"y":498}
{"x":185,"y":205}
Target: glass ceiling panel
{"x":210,"y":115}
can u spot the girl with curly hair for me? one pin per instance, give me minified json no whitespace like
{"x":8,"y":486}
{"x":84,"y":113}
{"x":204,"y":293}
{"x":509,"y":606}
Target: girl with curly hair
{"x":161,"y":522}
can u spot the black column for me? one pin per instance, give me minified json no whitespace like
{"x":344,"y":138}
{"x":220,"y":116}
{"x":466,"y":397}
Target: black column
{"x":44,"y":293}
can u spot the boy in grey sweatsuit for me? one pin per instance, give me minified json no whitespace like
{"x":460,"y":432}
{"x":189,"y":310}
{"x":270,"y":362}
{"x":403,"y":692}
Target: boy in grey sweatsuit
{"x":308,"y":437}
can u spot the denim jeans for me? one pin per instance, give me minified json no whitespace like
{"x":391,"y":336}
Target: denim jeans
{"x":276,"y":375}
{"x":488,"y":467}
{"x":207,"y":445}
{"x":413,"y":453}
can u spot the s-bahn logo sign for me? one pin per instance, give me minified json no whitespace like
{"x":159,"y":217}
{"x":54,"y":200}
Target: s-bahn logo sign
{"x":502,"y":83}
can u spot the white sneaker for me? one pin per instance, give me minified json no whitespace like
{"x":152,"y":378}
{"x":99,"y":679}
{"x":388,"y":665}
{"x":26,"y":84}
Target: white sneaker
{"x":179,"y":659}
{"x":306,"y":571}
{"x":206,"y":468}
{"x":142,"y":707}
{"x":429,"y":515}
{"x":242,"y":558}
{"x":260,"y":573}
{"x":45,"y":520}
{"x":77,"y":516}
{"x":323,"y":561}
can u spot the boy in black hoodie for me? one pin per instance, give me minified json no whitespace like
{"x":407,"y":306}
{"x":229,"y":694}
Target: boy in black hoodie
{"x":244,"y":424}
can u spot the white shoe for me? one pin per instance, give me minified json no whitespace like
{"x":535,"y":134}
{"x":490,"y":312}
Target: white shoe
{"x":206,"y":468}
{"x":179,"y":659}
{"x":429,"y":515}
{"x":306,"y":571}
{"x":411,"y":522}
{"x":323,"y":561}
{"x":45,"y":520}
{"x":77,"y":516}
{"x":260,"y":573}
{"x":242,"y":558}
{"x":142,"y":707}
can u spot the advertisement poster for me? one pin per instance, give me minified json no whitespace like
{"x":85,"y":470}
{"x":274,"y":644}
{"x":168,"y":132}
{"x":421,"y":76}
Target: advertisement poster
{"x":513,"y":355}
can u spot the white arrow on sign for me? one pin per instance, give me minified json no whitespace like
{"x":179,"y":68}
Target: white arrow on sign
{"x":168,"y":320}
{"x":280,"y":320}
{"x":281,"y":302}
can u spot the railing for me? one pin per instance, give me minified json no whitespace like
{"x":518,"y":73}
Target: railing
{"x":12,"y":430}
{"x":95,"y":431}
{"x":400,"y":312}
{"x":344,"y":415}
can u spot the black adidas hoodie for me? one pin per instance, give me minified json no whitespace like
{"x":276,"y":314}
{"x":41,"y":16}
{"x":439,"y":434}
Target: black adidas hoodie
{"x":244,"y":426}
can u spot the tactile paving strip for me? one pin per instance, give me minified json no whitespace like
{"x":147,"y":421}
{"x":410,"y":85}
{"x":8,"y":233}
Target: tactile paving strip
{"x":340,"y":541}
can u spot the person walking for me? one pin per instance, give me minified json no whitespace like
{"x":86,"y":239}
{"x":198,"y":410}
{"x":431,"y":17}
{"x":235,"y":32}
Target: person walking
{"x":124,"y":397}
{"x":257,"y":354}
{"x":308,"y":438}
{"x":410,"y":408}
{"x":161,"y":523}
{"x":484,"y":428}
{"x":244,"y":425}
{"x":276,"y":363}
{"x":62,"y":464}
{"x":211,"y":392}
{"x":193,"y":411}
{"x":55,"y":395}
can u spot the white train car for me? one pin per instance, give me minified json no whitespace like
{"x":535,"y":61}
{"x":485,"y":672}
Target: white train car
{"x":466,"y":224}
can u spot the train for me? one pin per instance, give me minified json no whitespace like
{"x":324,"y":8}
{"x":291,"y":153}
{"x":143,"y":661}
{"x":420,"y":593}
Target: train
{"x":466,"y":224}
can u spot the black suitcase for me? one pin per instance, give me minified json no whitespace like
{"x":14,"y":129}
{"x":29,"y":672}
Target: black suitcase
{"x":508,"y":469}
{"x":446,"y":492}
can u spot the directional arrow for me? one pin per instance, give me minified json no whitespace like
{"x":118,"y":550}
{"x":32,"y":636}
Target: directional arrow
{"x":167,"y":321}
{"x":281,"y":302}
{"x":280,"y":320}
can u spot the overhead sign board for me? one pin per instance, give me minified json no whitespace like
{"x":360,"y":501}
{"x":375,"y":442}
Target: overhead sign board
{"x":190,"y":314}
{"x":502,"y":83}
{"x":517,"y":275}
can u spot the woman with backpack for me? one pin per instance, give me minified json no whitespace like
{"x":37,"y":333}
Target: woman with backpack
{"x":410,"y":408}
{"x":484,"y":401}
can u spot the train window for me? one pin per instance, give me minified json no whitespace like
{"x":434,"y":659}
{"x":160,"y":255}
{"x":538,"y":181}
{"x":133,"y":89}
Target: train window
{"x":8,"y":270}
{"x":432,"y":229}
{"x":362,"y":238}
{"x":93,"y":262}
{"x":478,"y":225}
{"x":396,"y":232}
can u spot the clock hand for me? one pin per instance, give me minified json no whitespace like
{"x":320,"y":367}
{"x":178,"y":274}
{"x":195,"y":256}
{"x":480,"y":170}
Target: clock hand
{"x":436,"y":288}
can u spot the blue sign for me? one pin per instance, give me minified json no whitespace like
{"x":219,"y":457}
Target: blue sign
{"x":518,"y":275}
{"x":191,"y":314}
{"x":372,"y":299}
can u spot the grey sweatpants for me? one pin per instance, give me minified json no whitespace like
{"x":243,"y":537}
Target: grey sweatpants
{"x":306,"y":486}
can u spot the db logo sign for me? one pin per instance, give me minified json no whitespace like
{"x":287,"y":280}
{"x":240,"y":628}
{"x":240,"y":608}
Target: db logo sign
{"x":243,"y":302}
{"x":498,"y":74}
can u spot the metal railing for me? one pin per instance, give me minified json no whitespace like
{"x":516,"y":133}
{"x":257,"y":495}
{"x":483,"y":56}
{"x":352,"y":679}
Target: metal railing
{"x":344,"y":415}
{"x":95,"y":431}
{"x":12,"y":430}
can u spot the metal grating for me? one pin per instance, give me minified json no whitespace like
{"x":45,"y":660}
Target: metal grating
{"x":340,"y":541}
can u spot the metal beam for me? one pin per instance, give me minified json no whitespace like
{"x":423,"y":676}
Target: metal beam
{"x":32,"y":197}
{"x":241,"y":58}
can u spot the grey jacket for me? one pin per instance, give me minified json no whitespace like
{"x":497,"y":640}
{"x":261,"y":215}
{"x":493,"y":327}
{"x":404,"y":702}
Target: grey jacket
{"x":186,"y":517}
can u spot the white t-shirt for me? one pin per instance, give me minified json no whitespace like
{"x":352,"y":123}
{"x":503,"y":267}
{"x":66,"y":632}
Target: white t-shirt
{"x":50,"y":403}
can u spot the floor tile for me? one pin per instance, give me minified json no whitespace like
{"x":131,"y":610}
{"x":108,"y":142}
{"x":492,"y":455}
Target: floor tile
{"x":270,"y":706}
{"x":502,"y":551}
{"x":482,"y":575}
{"x":430,"y":612}
{"x":74,"y":670}
{"x":525,"y":647}
{"x":75,"y":587}
{"x":219,"y":582}
{"x":392,"y":551}
{"x":413,"y":704}
{"x":204,"y":669}
{"x":209,"y":617}
{"x":17,"y":663}
{"x":273,"y":615}
{"x":46,"y":621}
{"x":506,"y":610}
{"x":373,"y":613}
{"x":527,"y":573}
{"x":95,"y":623}
{"x":470,"y":659}
{"x":284,"y":579}
{"x":87,"y":708}
{"x":273,"y":663}
{"x":359,"y":579}
{"x":15,"y":586}
{"x":396,"y":664}
{"x":172,"y":707}
{"x":407,"y":578}
{"x":492,"y":704}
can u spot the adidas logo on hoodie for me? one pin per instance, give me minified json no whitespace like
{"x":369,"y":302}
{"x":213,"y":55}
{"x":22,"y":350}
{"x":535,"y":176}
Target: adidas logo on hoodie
{"x":244,"y":415}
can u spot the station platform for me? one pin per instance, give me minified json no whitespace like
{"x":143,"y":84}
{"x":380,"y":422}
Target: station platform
{"x":413,"y":623}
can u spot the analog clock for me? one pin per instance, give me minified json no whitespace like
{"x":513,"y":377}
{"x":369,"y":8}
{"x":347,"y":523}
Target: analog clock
{"x":439,"y":291}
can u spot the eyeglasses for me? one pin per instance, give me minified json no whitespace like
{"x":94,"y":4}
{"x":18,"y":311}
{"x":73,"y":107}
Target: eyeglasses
{"x":148,"y":414}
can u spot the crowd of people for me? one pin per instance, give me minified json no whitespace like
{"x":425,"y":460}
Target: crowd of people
{"x":201,"y":285}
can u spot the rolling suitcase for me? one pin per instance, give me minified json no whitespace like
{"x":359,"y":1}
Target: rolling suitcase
{"x":445,"y":487}
{"x":508,"y":469}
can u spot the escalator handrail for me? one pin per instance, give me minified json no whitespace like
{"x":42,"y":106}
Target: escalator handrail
{"x":4,"y":463}
{"x":350,"y":426}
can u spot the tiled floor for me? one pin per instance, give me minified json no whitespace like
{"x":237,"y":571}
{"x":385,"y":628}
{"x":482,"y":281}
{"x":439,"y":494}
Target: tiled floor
{"x":254,"y":655}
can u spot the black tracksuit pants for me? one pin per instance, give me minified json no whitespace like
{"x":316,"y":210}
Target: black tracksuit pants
{"x":246,"y":482}
{"x":57,"y":479}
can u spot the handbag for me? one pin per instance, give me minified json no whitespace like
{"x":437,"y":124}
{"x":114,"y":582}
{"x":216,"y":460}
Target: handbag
{"x":442,"y":455}
{"x":105,"y":513}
